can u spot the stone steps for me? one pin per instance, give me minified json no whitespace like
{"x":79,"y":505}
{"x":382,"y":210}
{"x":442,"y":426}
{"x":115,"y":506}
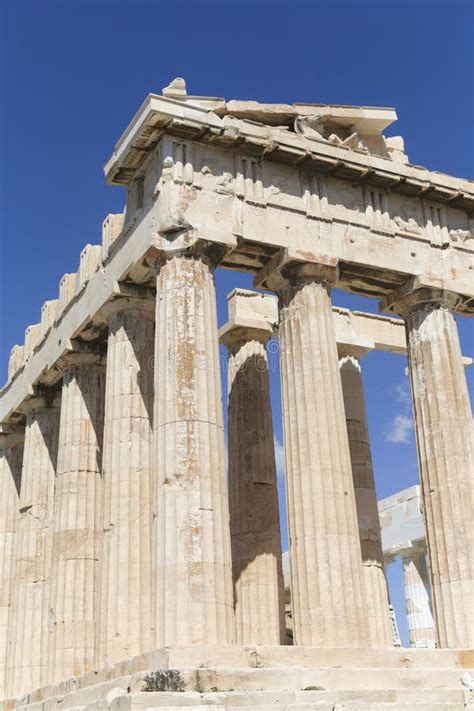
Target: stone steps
{"x":274,"y":677}
{"x":269,"y":687}
{"x":269,"y":679}
{"x":234,"y":656}
{"x":284,"y":701}
{"x":237,"y":700}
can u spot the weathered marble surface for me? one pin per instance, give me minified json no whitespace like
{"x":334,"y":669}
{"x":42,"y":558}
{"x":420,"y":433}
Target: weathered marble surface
{"x":192,"y":561}
{"x":125,"y":626}
{"x":375,"y":585}
{"x":27,"y":664}
{"x":270,"y":677}
{"x":193,"y":163}
{"x":325,"y":552}
{"x":11,"y":456}
{"x":404,"y":535}
{"x":75,"y":568}
{"x":445,"y":442}
{"x":308,"y":197}
{"x":253,"y":496}
{"x":418,"y":599}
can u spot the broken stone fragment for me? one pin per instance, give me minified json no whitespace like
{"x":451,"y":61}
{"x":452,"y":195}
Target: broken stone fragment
{"x":175,"y":89}
{"x":270,"y":114}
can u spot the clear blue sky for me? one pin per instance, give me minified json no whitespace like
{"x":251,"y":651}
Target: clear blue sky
{"x":74,"y":72}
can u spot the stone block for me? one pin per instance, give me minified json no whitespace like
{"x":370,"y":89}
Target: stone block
{"x":89,"y":263}
{"x":49,"y":313}
{"x":32,"y":337}
{"x":270,"y":114}
{"x":401,"y":521}
{"x":111,"y":228}
{"x":67,"y":290}
{"x":16,"y":360}
{"x":245,"y":304}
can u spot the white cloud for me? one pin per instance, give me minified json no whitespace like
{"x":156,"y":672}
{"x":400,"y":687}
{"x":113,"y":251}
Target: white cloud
{"x":404,"y":393}
{"x":399,"y":430}
{"x":279,"y":459}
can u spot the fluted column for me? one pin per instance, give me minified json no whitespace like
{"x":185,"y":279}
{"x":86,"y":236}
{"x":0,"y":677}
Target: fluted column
{"x":326,"y":565}
{"x":11,"y":456}
{"x":76,"y":537}
{"x":192,"y":564}
{"x":418,"y":599}
{"x":375,"y":584}
{"x":254,"y":515}
{"x":125,"y":619}
{"x":445,"y":446}
{"x":28,"y":641}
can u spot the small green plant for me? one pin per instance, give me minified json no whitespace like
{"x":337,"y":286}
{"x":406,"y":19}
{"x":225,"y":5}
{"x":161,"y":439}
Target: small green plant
{"x":313,"y":688}
{"x":164,"y":680}
{"x":256,"y":662}
{"x":196,"y":682}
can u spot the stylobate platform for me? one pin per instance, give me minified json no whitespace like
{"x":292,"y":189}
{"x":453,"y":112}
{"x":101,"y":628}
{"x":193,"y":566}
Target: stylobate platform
{"x":268,"y":678}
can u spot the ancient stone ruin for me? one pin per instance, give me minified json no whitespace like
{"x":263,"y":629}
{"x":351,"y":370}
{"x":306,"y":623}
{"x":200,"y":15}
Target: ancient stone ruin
{"x":133,"y":573}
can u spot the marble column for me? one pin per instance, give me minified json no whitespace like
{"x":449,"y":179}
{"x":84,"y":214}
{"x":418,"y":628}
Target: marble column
{"x":444,"y":432}
{"x":254,"y":514}
{"x":28,"y":641}
{"x":125,"y":619}
{"x":192,"y":563}
{"x":329,"y":607}
{"x":418,"y":599}
{"x":77,"y":525}
{"x":11,"y":456}
{"x":375,"y":584}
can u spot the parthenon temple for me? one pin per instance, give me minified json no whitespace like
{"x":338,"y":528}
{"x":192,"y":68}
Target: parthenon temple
{"x":141,"y":565}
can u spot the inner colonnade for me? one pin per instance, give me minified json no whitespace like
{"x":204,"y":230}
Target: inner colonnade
{"x":122,"y":531}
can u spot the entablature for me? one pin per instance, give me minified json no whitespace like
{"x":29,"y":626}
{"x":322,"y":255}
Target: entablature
{"x":401,"y":522}
{"x":379,"y":238}
{"x":190,"y":121}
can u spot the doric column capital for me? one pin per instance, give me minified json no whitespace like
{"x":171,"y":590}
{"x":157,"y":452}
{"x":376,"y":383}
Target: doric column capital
{"x":290,"y":269}
{"x":415,"y":548}
{"x":40,"y":402}
{"x":11,"y":434}
{"x":129,"y":297}
{"x":415,"y":295}
{"x":233,"y":335}
{"x":184,"y":243}
{"x":252,"y":317}
{"x":353,"y":352}
{"x":79,"y":353}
